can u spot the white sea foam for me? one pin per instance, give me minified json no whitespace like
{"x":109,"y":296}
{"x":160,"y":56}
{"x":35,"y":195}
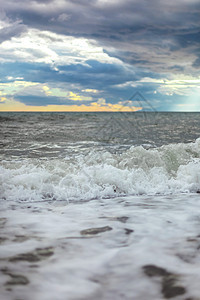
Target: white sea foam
{"x":174,"y":168}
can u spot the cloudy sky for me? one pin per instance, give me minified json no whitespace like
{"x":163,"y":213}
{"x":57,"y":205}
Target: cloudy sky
{"x":94,"y":55}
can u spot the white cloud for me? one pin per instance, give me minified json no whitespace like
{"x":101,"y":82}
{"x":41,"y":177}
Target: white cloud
{"x":175,"y":84}
{"x":50,"y":48}
{"x":180,"y":85}
{"x":92,"y":91}
{"x":26,"y":88}
{"x":11,"y":78}
{"x":12,"y":88}
{"x":63,"y":17}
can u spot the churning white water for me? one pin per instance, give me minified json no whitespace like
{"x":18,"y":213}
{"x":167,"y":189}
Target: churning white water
{"x":168,"y":169}
{"x":93,"y":213}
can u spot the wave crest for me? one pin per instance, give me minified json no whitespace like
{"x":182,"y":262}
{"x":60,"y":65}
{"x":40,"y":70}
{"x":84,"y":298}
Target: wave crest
{"x":174,"y":168}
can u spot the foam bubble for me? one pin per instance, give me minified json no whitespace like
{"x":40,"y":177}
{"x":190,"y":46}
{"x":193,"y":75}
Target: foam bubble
{"x":174,"y":168}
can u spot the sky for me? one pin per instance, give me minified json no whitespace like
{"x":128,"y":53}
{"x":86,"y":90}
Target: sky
{"x":99,"y":55}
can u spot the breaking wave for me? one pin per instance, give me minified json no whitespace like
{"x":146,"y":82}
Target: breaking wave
{"x":169,"y":169}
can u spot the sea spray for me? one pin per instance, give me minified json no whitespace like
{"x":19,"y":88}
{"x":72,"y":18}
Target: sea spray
{"x":173,"y":168}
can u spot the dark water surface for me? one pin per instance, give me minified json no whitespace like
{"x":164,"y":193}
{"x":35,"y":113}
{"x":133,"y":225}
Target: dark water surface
{"x":58,"y":134}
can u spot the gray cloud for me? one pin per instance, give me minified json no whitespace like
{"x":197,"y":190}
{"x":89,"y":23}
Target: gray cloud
{"x":196,"y":63}
{"x":154,"y":39}
{"x":11,"y":31}
{"x":88,"y":18}
{"x":10,"y":28}
{"x":34,"y":100}
{"x":155,"y":34}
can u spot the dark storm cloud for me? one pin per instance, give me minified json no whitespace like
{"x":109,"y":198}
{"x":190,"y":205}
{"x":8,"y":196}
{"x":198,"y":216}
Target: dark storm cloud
{"x":168,"y":26}
{"x":11,"y":31}
{"x":150,"y":39}
{"x":10,"y":28}
{"x":119,"y":19}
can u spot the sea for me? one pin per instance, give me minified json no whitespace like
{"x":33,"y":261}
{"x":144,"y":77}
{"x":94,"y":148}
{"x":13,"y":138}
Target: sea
{"x":98,"y":206}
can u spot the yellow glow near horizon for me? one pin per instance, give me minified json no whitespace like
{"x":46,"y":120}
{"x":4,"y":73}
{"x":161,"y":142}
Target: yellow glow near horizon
{"x":10,"y":89}
{"x":13,"y":106}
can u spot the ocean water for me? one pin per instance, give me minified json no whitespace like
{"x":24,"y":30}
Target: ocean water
{"x":100,"y":206}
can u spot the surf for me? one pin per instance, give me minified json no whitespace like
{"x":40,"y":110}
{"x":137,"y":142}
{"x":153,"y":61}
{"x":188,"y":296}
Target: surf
{"x":173,"y":168}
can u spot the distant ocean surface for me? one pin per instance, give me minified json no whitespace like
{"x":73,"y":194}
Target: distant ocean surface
{"x":106,"y":202}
